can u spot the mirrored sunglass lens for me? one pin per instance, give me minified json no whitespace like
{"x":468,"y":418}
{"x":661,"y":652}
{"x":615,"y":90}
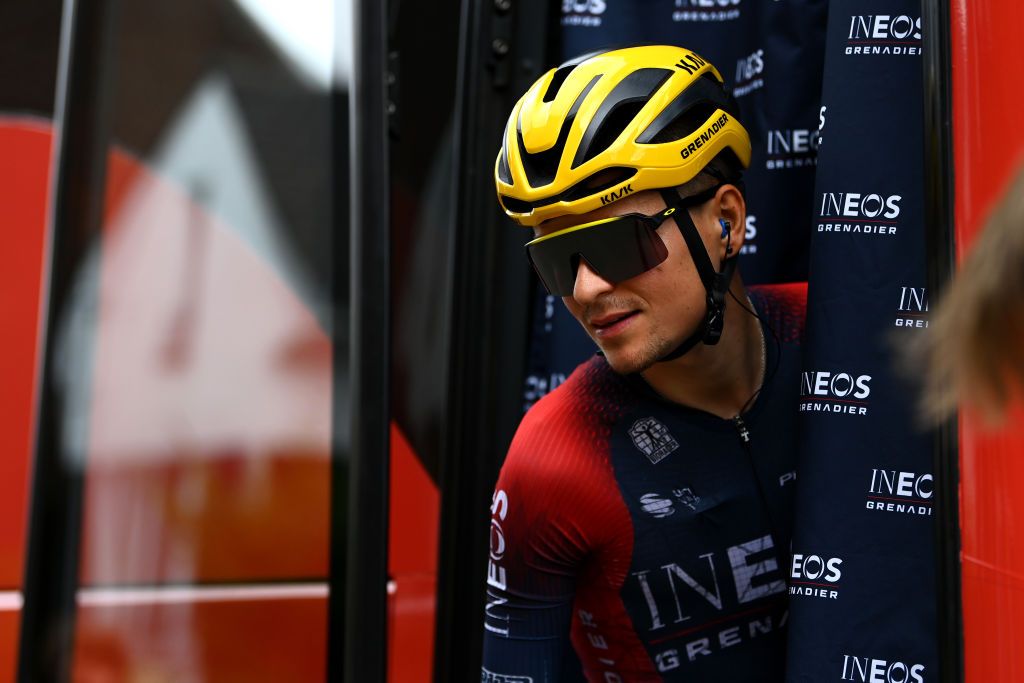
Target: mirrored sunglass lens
{"x":629,"y":248}
{"x":617,"y":250}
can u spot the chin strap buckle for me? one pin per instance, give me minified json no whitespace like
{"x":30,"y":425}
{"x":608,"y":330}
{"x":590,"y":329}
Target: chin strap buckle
{"x":714,"y":320}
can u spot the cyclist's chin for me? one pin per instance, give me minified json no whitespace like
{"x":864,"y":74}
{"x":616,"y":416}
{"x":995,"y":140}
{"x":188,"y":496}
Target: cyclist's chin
{"x":635,"y":355}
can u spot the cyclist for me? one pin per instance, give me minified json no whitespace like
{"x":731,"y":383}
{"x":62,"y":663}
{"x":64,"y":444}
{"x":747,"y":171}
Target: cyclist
{"x":643,"y":512}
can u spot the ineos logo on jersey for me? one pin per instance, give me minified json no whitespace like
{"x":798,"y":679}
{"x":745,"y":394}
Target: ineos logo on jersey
{"x":905,"y":493}
{"x":706,"y":10}
{"x":791,"y":148}
{"x":497,"y":547}
{"x":730,"y":636}
{"x":868,"y":213}
{"x":834,"y":392}
{"x":884,"y":34}
{"x":655,"y":505}
{"x":653,"y":439}
{"x":583,"y":12}
{"x":913,"y":307}
{"x":868,"y":670}
{"x":811,"y":575}
{"x":755,"y":573}
{"x":748,"y":71}
{"x":497,"y":621}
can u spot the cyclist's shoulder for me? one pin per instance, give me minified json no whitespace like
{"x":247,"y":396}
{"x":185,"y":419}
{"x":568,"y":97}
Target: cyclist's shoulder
{"x":783,"y":306}
{"x":592,"y":395}
{"x":569,"y":428}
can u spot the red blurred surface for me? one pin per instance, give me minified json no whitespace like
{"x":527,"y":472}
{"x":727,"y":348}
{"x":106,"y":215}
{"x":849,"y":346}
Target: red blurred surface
{"x":988,"y":147}
{"x":223,"y":641}
{"x":25,"y":147}
{"x":208,"y":453}
{"x":414,"y":509}
{"x":171,"y":498}
{"x":209,"y":419}
{"x":215,"y":518}
{"x":8,"y":644}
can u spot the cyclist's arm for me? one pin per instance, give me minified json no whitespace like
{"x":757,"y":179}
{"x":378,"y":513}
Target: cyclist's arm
{"x":531,"y":580}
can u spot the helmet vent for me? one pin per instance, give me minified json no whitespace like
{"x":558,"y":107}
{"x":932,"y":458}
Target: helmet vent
{"x":688,"y":111}
{"x":556,"y":82}
{"x":592,"y":185}
{"x":597,"y":183}
{"x":618,"y":110}
{"x":503,"y":172}
{"x":685,"y":124}
{"x":542,"y":167}
{"x":516,"y":205}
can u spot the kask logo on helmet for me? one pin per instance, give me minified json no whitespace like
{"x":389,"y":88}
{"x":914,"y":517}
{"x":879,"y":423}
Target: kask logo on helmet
{"x":691,"y":63}
{"x":617,"y":194}
{"x":706,"y":10}
{"x":884,"y":34}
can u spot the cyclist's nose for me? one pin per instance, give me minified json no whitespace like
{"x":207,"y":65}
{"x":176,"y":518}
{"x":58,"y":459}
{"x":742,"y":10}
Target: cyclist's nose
{"x":589,"y":285}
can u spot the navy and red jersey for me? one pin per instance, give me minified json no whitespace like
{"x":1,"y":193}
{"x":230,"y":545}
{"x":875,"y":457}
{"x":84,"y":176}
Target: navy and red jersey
{"x":654,"y":536}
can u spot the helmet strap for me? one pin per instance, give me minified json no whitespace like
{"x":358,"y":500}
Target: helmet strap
{"x":716,"y":284}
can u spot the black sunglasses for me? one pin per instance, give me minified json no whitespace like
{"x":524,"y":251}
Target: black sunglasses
{"x":616,"y":248}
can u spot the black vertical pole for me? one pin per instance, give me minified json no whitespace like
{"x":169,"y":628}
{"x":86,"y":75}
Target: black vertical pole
{"x":81,"y":125}
{"x":502,"y":50}
{"x":363,"y":657}
{"x":940,"y":244}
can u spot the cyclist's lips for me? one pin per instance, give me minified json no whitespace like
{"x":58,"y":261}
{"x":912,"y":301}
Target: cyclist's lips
{"x":613,"y":324}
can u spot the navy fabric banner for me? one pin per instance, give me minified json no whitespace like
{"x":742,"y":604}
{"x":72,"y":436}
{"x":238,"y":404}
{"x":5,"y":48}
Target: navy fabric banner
{"x":771,"y":54}
{"x":862,"y":593}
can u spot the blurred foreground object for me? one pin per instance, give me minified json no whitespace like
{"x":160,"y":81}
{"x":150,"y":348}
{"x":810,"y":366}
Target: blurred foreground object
{"x":973,"y":349}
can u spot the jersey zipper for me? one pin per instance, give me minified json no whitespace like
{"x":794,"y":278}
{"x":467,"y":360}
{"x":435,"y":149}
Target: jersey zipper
{"x":744,"y":434}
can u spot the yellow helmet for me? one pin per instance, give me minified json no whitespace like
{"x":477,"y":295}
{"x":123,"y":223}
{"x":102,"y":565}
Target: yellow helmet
{"x":609,"y":124}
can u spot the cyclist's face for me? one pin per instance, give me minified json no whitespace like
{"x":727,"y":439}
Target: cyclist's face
{"x":640,"y":320}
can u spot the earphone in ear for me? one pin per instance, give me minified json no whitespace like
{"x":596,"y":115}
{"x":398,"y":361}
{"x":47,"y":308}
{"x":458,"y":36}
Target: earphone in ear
{"x":725,"y":226}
